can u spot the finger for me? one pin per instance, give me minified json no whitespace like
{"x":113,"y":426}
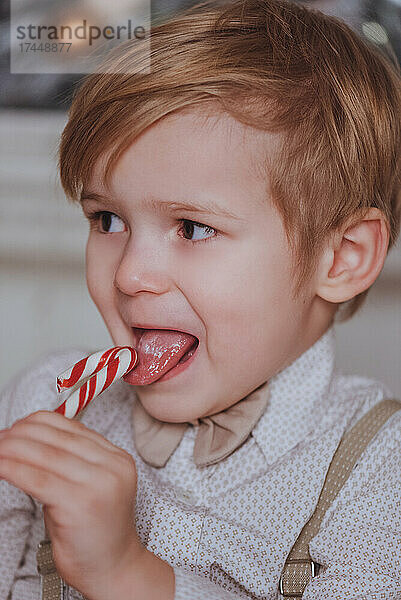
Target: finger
{"x":53,"y":460}
{"x":42,"y":485}
{"x":63,"y":423}
{"x":76,"y":443}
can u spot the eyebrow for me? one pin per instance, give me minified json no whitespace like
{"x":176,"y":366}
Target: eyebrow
{"x":167,"y":205}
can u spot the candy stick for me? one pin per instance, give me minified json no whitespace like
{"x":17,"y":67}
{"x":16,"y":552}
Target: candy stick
{"x":92,"y":375}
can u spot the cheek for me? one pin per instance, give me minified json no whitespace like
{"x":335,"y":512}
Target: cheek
{"x":249,"y":307}
{"x":99,"y":273}
{"x":253,"y":285}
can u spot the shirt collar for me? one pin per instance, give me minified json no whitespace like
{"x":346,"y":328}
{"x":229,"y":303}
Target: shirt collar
{"x":297,"y":395}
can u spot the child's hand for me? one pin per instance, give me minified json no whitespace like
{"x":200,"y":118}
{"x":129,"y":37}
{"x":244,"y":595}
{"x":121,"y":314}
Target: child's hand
{"x":88,"y":489}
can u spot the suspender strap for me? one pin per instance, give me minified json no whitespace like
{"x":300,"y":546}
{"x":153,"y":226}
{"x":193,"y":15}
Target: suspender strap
{"x":299,"y":567}
{"x":52,"y":586}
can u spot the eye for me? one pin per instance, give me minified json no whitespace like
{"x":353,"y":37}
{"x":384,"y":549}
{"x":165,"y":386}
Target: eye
{"x":108,"y":224}
{"x":191,"y":228}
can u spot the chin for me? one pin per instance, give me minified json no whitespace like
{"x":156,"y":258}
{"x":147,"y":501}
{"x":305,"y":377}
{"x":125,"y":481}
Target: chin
{"x":162,"y":411}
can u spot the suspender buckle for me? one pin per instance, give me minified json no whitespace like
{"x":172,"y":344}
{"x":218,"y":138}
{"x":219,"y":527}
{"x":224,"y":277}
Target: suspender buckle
{"x":52,"y":587}
{"x":44,"y":558}
{"x":296,"y":574}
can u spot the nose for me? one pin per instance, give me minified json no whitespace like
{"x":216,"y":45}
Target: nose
{"x":142,"y":270}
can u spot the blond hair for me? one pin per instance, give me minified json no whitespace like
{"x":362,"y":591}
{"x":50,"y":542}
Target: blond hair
{"x":276,"y":66}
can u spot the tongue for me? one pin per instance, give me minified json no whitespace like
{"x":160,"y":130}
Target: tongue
{"x":159,"y":350}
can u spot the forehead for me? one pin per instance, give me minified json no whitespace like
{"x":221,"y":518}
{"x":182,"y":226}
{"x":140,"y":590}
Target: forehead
{"x":192,"y":152}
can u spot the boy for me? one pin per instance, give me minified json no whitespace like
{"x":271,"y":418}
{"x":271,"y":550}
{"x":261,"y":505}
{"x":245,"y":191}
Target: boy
{"x":238,"y":195}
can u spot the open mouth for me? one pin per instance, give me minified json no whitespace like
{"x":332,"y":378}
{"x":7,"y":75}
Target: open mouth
{"x":189,"y":352}
{"x":159,"y":352}
{"x":139,"y":332}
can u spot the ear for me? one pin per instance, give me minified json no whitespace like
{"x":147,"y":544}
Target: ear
{"x":353,"y":258}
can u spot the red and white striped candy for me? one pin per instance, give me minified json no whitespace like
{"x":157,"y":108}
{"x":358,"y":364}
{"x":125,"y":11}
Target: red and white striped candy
{"x":102,"y":368}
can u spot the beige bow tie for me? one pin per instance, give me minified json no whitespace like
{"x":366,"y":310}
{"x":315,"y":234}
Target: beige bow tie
{"x":218,"y":435}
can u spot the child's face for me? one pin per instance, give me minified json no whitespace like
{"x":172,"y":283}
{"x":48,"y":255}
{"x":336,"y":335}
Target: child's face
{"x":152,"y":267}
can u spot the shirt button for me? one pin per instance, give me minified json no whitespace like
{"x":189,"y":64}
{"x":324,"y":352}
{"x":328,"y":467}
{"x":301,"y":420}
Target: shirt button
{"x":186,"y":496}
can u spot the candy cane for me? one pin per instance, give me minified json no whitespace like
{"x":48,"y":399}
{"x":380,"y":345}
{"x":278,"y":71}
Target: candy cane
{"x":98,"y":371}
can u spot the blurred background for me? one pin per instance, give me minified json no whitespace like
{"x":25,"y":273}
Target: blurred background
{"x":44,"y":302}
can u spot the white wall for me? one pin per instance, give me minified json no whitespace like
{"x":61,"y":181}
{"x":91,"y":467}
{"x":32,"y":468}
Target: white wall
{"x":43,"y":298}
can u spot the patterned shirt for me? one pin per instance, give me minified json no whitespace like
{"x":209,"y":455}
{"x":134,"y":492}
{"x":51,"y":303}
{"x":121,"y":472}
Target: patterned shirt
{"x":227,"y":528}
